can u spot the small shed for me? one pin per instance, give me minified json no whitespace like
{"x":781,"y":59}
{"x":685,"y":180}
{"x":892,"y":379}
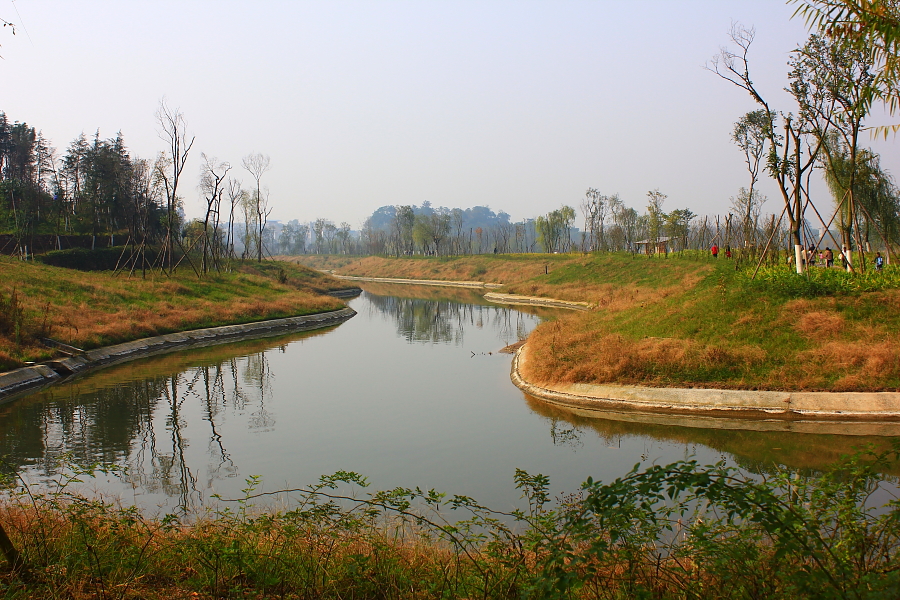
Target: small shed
{"x":661,"y":244}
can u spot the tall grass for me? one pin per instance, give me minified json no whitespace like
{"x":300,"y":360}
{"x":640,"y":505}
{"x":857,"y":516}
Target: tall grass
{"x":677,"y":531}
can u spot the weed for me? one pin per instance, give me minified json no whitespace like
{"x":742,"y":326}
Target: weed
{"x":664,"y":531}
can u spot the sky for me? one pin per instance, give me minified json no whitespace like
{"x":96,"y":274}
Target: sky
{"x":519,"y":106}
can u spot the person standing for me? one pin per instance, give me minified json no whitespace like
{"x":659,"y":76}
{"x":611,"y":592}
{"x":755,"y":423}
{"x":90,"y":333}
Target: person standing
{"x":829,"y":257}
{"x":879,"y":261}
{"x":715,"y":251}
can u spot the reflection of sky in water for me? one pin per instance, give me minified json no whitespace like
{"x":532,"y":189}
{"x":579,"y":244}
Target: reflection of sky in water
{"x":410,"y":392}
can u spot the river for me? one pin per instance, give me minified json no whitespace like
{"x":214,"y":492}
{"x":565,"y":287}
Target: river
{"x":410,"y":392}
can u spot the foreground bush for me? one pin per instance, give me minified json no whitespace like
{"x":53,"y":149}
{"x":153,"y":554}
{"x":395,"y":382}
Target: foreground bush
{"x":676,"y":531}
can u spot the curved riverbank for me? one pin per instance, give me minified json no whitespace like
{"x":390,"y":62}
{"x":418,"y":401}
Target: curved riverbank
{"x":28,"y":379}
{"x":707,"y":407}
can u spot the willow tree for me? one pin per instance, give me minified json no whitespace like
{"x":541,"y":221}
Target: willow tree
{"x":553,"y":229}
{"x":875,"y":192}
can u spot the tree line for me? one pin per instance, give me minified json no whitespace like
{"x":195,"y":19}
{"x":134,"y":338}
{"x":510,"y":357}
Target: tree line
{"x":97,"y":193}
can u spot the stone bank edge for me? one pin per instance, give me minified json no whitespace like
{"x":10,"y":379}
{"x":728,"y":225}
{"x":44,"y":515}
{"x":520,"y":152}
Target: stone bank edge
{"x":882,"y":406}
{"x":26,"y":379}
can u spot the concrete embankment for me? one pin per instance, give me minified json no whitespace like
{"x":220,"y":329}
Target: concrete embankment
{"x":854,"y":413}
{"x":535,"y":301}
{"x":345,"y":293}
{"x":27,"y":379}
{"x":438,"y":282}
{"x":490,"y":296}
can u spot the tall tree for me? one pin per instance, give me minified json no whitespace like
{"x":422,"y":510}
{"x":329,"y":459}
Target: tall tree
{"x":257,"y":164}
{"x":212,"y":186}
{"x":750,"y":134}
{"x":792,"y":154}
{"x":173,"y":131}
{"x":832,"y":82}
{"x":870,"y":26}
{"x":656,"y":218}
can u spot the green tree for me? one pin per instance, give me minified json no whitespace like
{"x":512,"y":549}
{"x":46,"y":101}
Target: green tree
{"x":553,"y":229}
{"x":832,"y":82}
{"x":656,"y":218}
{"x":869,"y":26}
{"x":750,"y":134}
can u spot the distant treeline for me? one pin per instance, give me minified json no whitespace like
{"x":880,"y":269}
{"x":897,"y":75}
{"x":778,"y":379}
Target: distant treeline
{"x":607,"y":225}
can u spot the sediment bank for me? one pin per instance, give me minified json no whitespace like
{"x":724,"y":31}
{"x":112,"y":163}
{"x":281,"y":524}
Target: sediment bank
{"x":28,"y":379}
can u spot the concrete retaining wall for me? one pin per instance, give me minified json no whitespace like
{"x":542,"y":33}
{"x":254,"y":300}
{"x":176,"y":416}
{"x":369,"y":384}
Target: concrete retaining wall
{"x":728,"y":404}
{"x":28,"y":379}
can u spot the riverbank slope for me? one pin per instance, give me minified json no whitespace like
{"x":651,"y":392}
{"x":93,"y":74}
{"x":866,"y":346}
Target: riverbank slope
{"x":94,"y":309}
{"x":687,"y":320}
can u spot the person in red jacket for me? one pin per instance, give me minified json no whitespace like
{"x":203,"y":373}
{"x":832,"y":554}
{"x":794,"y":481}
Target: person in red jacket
{"x":715,"y":251}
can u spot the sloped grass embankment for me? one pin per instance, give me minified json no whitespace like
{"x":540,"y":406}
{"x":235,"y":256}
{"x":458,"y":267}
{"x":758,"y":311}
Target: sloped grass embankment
{"x":94,"y":309}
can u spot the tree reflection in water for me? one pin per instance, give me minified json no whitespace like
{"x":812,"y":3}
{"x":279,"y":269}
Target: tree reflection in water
{"x":445,"y":321}
{"x":137,"y":421}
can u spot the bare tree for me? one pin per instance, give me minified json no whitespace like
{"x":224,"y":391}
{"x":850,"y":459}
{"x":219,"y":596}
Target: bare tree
{"x":236,"y":196}
{"x":212,"y":185}
{"x":173,"y":131}
{"x":257,"y":164}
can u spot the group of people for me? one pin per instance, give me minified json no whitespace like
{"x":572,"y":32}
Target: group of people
{"x":811,"y":256}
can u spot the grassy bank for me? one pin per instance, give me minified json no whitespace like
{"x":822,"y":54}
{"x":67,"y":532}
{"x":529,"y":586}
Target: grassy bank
{"x":688,"y":320}
{"x":93,"y":309}
{"x":676,"y":531}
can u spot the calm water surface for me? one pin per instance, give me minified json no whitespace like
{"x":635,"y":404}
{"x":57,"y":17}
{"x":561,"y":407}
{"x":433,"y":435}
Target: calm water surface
{"x":410,"y":392}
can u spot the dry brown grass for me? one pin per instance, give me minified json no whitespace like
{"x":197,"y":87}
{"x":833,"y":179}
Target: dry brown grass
{"x":462,"y":268}
{"x":88,"y":310}
{"x":565,"y":352}
{"x":859,"y":364}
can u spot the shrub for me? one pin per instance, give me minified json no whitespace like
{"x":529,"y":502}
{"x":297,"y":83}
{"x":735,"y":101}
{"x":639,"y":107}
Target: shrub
{"x":99,"y":259}
{"x":675,"y":531}
{"x":784,"y":281}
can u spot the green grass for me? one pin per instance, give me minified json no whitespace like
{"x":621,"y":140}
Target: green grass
{"x":690,"y":320}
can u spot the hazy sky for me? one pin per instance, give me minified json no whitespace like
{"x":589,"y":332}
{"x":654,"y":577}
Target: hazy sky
{"x":517,"y":105}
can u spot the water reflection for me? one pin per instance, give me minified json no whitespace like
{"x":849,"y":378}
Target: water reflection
{"x":755,"y":451}
{"x":442,"y":315}
{"x":136,"y":416}
{"x":394,"y":394}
